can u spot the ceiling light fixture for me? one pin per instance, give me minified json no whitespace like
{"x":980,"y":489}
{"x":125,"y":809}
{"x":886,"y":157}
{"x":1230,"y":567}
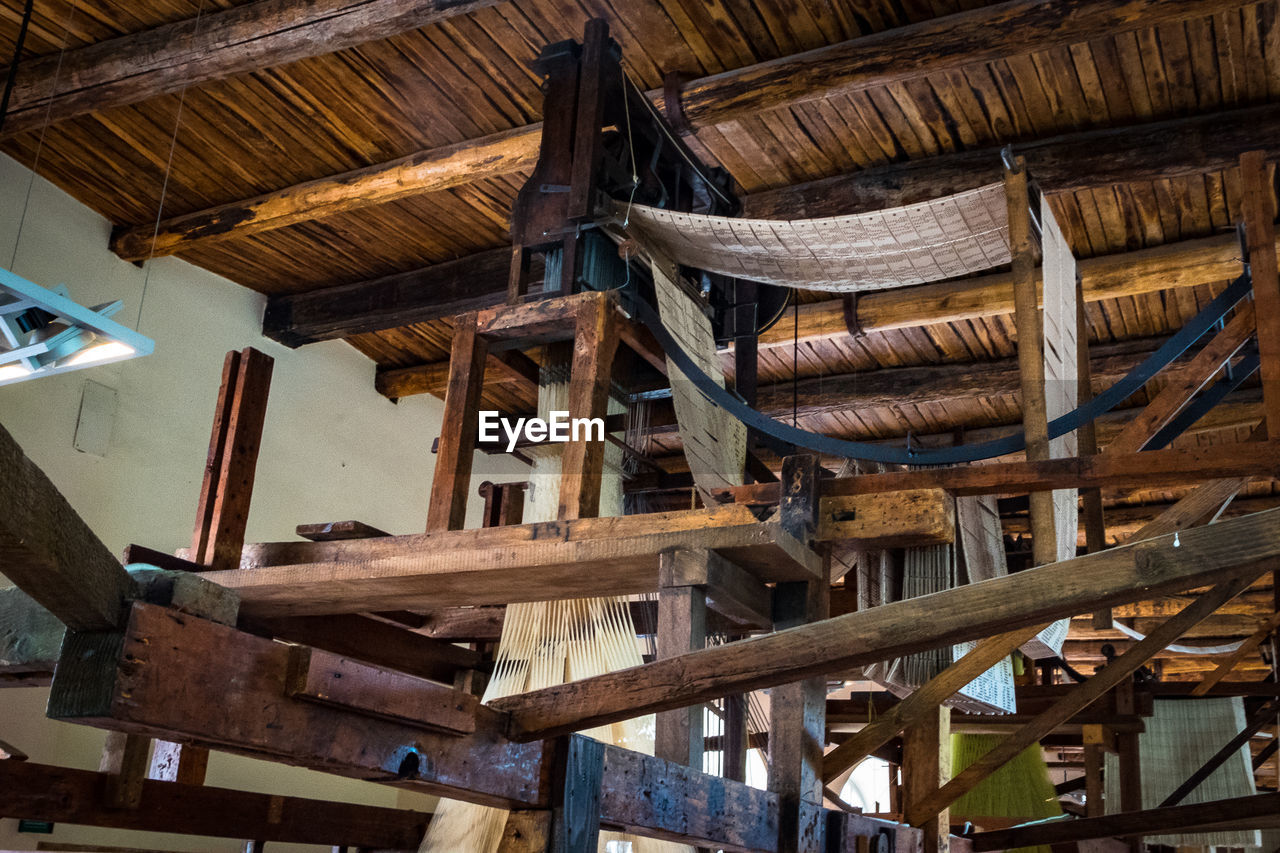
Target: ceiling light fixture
{"x":43,"y":332}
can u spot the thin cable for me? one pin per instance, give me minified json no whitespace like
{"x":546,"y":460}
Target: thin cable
{"x":44,"y":129}
{"x":164,"y":186}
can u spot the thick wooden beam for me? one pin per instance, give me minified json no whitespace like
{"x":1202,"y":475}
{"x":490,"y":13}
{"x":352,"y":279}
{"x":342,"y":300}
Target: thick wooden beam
{"x":1261,"y":811}
{"x":64,"y":795}
{"x":187,"y":679}
{"x":1120,"y":575}
{"x":595,"y":340}
{"x":682,"y":627}
{"x":1081,"y":697}
{"x":48,"y":551}
{"x":439,"y":291}
{"x":1258,"y":208}
{"x":213,"y":46}
{"x":1147,"y":469}
{"x":499,"y":565}
{"x":451,"y":482}
{"x":926,"y":764}
{"x":30,"y":637}
{"x":914,"y":52}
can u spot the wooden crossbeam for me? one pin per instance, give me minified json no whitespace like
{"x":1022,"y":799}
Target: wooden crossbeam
{"x":48,"y":551}
{"x":971,"y":612}
{"x":1261,"y":811}
{"x":1231,"y":661}
{"x":1148,"y":469}
{"x":920,"y":705}
{"x":196,"y":810}
{"x":184,"y":679}
{"x":213,"y":46}
{"x":944,"y":44}
{"x":1083,"y":695}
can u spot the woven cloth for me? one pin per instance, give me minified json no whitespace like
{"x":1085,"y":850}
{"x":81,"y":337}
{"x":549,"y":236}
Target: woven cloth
{"x":943,"y":238}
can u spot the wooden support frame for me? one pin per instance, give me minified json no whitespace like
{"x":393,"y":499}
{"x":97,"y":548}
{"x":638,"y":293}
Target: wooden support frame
{"x":451,"y":484}
{"x":177,"y":807}
{"x":1117,"y":576}
{"x":1080,"y":697}
{"x":595,"y":341}
{"x":682,"y":627}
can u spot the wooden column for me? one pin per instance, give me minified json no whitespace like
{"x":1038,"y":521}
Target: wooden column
{"x":576,"y":780}
{"x":452,"y":479}
{"x":682,"y":627}
{"x":223,"y":509}
{"x":1258,"y":210}
{"x":582,"y":464}
{"x":1095,"y":741}
{"x":1095,"y":525}
{"x":797,"y":711}
{"x":1127,"y":747}
{"x":1035,"y":418}
{"x":124,"y":760}
{"x":926,"y":766}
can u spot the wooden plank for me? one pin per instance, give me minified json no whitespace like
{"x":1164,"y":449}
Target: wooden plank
{"x":1246,"y":648}
{"x":333,"y":531}
{"x":451,"y":483}
{"x":1120,"y":575}
{"x":373,"y":641}
{"x":499,"y":565}
{"x":223,"y":510}
{"x":213,"y":46}
{"x":1079,"y":698}
{"x":526,"y":832}
{"x":1150,"y":468}
{"x":124,"y":762}
{"x":334,"y":680}
{"x":917,"y":708}
{"x":196,"y":810}
{"x":926,"y":765}
{"x":1258,"y":210}
{"x":575,"y":795}
{"x":48,"y":551}
{"x":595,"y":340}
{"x":869,"y":62}
{"x":161,"y":678}
{"x":895,"y":520}
{"x":30,"y":637}
{"x":1258,"y":811}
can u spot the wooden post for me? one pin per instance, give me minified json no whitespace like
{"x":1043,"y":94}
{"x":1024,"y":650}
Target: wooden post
{"x":575,"y":812}
{"x":1127,"y":747}
{"x":1026,"y":301}
{"x":582,"y":463}
{"x":124,"y":759}
{"x":452,"y":479}
{"x":1095,"y":525}
{"x":1095,"y":739}
{"x":1260,"y":233}
{"x":926,"y":766}
{"x":223,"y":509}
{"x":682,"y":627}
{"x":797,"y":711}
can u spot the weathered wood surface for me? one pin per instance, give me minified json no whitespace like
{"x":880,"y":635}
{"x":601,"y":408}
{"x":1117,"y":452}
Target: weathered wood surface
{"x":187,"y":679}
{"x":30,"y":637}
{"x":371,"y":640}
{"x":64,"y":795}
{"x":499,"y":565}
{"x":1120,"y":575}
{"x":895,"y":56}
{"x":1261,"y":811}
{"x":451,"y":479}
{"x":332,"y":531}
{"x":48,"y":551}
{"x":891,"y":520}
{"x":595,"y":341}
{"x":213,"y":46}
{"x":735,"y":594}
{"x":1259,"y":213}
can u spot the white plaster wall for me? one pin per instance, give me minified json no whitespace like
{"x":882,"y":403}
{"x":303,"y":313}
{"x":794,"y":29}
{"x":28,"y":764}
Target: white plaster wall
{"x":333,"y":449}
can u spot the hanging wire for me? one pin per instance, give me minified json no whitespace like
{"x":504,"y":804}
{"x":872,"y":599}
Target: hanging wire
{"x":48,"y":113}
{"x":164,"y":186}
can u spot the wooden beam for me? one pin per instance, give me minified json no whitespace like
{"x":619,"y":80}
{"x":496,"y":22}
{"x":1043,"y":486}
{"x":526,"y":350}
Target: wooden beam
{"x":894,"y":56}
{"x":30,"y":637}
{"x":1122,"y":574}
{"x":48,"y":551}
{"x":1258,"y":209}
{"x":682,"y":627}
{"x":595,"y":340}
{"x":64,"y":795}
{"x":498,"y":565}
{"x":916,"y":708}
{"x":451,"y":482}
{"x":188,"y":679}
{"x":436,"y":292}
{"x":1083,"y":695}
{"x":926,"y":764}
{"x":213,"y":46}
{"x":1147,"y":469}
{"x":734,"y":593}
{"x":1258,"y":811}
{"x":1231,"y":661}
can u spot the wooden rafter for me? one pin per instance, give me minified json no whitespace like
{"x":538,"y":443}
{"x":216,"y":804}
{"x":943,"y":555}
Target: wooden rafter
{"x":909,"y":53}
